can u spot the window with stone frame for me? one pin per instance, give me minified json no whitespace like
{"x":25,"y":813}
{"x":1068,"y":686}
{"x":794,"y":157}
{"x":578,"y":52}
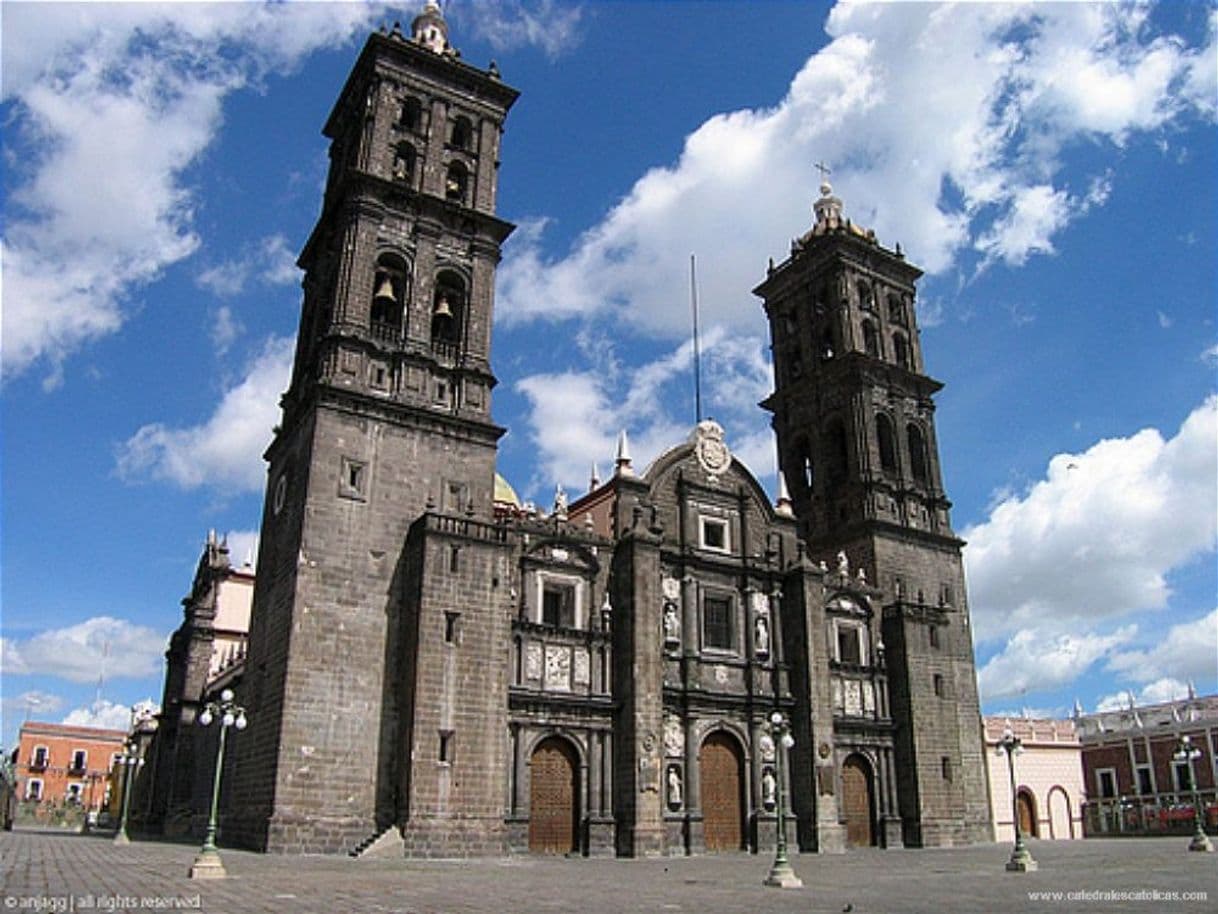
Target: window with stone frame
{"x":33,"y":789}
{"x":1146,"y":784}
{"x":558,"y":604}
{"x":849,"y":644}
{"x":353,"y":479}
{"x":411,"y":115}
{"x":714,"y":534}
{"x":462,"y":134}
{"x":41,"y":757}
{"x":80,"y":759}
{"x":718,"y":622}
{"x":1106,"y":782}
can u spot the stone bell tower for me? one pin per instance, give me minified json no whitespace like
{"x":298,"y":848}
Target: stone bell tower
{"x":387,"y":415}
{"x":853,"y":411}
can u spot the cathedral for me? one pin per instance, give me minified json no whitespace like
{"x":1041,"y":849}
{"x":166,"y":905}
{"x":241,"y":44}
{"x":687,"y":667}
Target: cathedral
{"x":431,"y":663}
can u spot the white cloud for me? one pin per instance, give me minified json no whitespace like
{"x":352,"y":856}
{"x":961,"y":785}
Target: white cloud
{"x":574,"y":416}
{"x":121,"y":99}
{"x":1033,"y":661}
{"x":83,"y":652}
{"x":1157,"y":692}
{"x":946,"y":126}
{"x":1188,"y":651}
{"x":1165,"y":320}
{"x":1035,"y":215}
{"x":269,"y":261}
{"x":34,"y":703}
{"x":101,"y":713}
{"x":1210,"y":355}
{"x":225,"y":451}
{"x":225,"y":328}
{"x":509,"y":24}
{"x":1096,"y":539}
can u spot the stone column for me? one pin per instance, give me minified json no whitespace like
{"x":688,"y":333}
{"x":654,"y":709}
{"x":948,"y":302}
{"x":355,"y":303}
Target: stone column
{"x":638,"y":683}
{"x":695,"y":837}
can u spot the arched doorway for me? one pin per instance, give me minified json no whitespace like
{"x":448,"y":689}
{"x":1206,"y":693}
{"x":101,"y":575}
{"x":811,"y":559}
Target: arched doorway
{"x":1026,"y":807}
{"x":1061,"y":824}
{"x":856,"y":802}
{"x":553,"y":798}
{"x":721,"y":768}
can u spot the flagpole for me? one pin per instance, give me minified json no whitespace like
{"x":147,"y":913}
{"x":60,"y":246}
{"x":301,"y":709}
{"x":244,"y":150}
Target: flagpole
{"x":693,"y":298}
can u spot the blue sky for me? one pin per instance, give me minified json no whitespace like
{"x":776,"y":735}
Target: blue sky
{"x":1051,"y":167}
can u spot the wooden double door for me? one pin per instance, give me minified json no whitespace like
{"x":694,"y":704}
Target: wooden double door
{"x":554,"y":798}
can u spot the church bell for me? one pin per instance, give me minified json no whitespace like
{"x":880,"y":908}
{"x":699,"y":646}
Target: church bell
{"x":442,"y":308}
{"x":384,"y":292}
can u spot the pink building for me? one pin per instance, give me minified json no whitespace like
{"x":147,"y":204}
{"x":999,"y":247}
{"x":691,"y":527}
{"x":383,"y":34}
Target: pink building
{"x":1048,"y":777}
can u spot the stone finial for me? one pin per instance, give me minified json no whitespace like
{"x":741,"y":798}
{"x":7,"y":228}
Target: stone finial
{"x":621,"y":463}
{"x":560,"y":502}
{"x":783,"y":505}
{"x":595,"y":479}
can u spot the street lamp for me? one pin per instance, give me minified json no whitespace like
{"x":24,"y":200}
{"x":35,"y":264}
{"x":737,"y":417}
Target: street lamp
{"x":1021,"y":860}
{"x":129,"y":760}
{"x":781,"y":875}
{"x":207,"y":864}
{"x":1187,"y":752}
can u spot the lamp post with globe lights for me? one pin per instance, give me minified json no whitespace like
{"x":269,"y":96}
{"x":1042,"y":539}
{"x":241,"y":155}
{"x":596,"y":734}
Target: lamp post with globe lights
{"x":781,"y":875}
{"x":1021,"y":860}
{"x":1187,"y":752}
{"x":207,"y":864}
{"x":130,"y":760}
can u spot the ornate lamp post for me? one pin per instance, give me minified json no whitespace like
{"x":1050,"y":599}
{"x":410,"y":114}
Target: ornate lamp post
{"x":130,"y":760}
{"x":781,"y":875}
{"x":1021,"y":860}
{"x":1187,"y":752}
{"x":207,"y":864}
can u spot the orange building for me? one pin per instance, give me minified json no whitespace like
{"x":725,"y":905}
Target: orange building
{"x":62,"y":764}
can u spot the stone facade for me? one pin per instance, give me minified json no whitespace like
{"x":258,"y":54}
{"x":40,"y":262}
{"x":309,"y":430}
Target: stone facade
{"x":487,"y":679}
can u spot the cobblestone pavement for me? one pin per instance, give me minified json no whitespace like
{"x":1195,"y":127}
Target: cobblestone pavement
{"x":42,"y":871}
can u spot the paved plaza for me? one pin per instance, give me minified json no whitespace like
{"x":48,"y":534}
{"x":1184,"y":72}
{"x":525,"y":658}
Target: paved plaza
{"x":41,"y":871}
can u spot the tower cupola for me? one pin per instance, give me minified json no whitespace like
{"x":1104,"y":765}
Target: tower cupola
{"x":429,"y":28}
{"x":828,"y":208}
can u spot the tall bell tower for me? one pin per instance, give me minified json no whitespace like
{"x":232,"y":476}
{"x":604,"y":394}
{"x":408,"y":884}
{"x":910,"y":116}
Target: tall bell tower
{"x":388,"y":414}
{"x":853,"y":411}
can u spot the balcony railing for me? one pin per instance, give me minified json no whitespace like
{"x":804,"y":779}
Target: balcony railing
{"x":385,"y":332}
{"x":1164,"y":814}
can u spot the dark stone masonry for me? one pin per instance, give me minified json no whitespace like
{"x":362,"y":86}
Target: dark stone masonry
{"x":433,"y":661}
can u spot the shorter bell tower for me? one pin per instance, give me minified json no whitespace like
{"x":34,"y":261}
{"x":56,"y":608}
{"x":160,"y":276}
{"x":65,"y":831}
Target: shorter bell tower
{"x":853,"y":411}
